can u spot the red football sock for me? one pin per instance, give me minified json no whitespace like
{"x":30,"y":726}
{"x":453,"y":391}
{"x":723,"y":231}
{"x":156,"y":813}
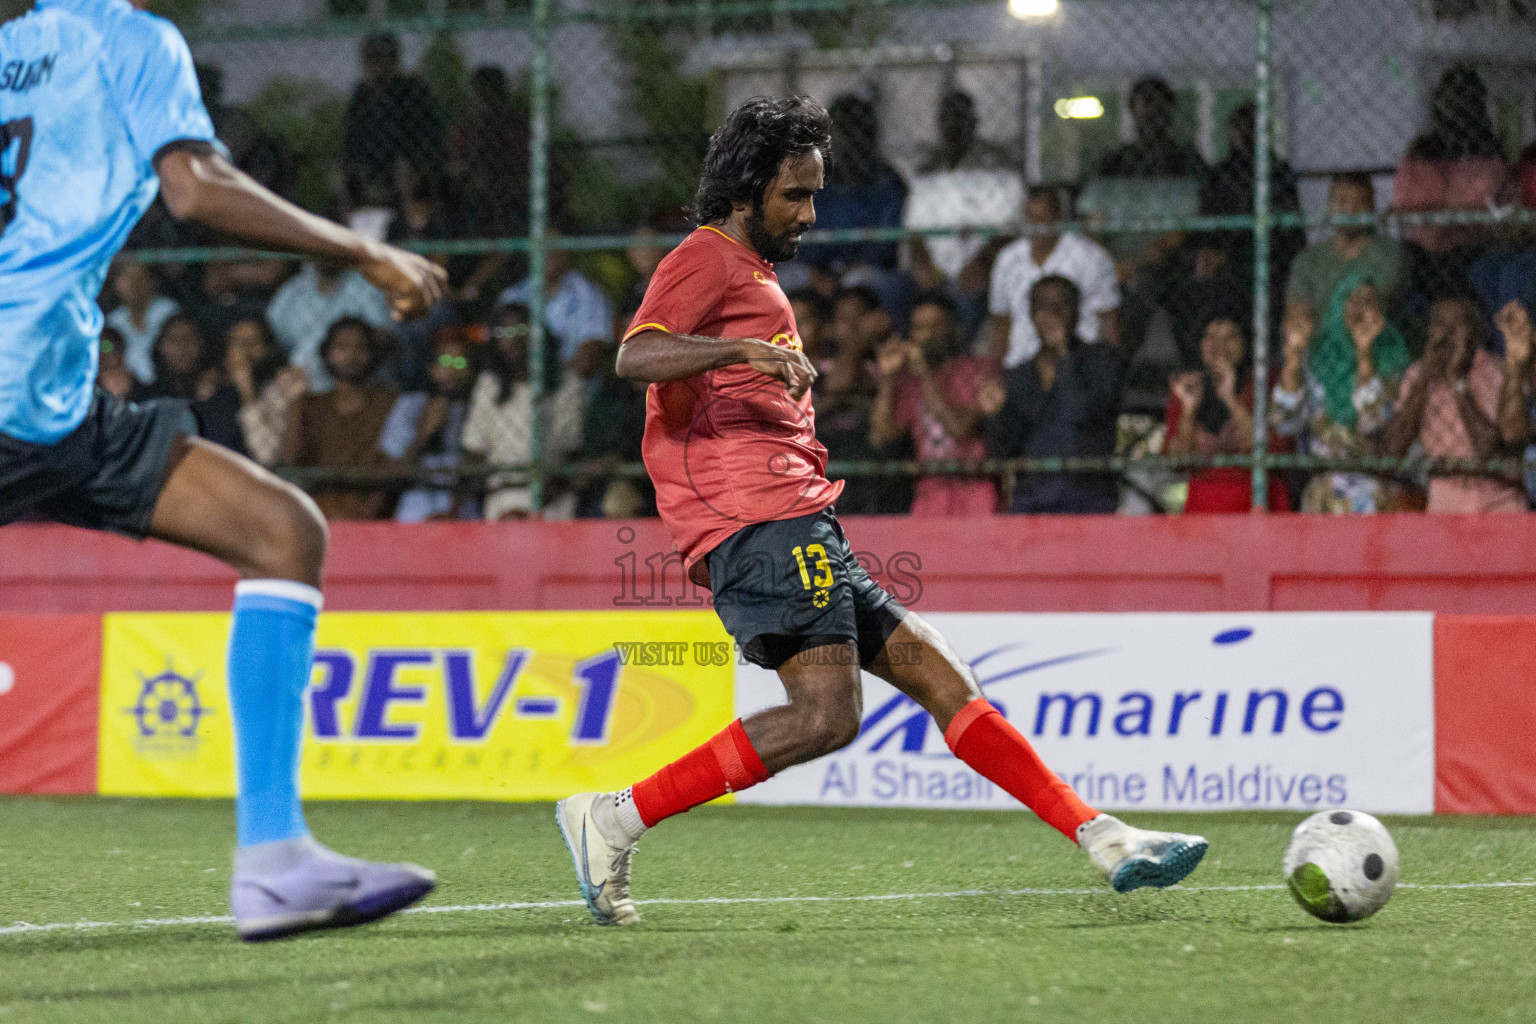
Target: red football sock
{"x":728,"y":763}
{"x":985,"y":740}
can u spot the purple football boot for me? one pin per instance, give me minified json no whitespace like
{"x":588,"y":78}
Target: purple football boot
{"x":282,"y":889}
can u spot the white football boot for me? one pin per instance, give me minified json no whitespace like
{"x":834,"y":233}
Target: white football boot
{"x":1132,"y":857}
{"x":602,"y":865}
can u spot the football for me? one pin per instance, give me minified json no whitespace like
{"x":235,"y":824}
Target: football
{"x":1341,"y":865}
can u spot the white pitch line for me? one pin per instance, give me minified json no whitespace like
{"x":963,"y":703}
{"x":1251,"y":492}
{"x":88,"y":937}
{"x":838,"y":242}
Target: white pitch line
{"x":23,"y":928}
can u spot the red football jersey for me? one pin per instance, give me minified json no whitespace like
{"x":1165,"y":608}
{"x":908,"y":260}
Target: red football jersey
{"x":726,"y":448}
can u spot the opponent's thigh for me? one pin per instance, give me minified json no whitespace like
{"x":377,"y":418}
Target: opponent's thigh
{"x":225,"y":505}
{"x":824,"y":710}
{"x":918,"y":661}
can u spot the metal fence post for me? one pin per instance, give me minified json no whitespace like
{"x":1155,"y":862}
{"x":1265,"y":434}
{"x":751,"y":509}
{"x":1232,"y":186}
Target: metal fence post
{"x":1263,"y":227}
{"x":538,"y":235}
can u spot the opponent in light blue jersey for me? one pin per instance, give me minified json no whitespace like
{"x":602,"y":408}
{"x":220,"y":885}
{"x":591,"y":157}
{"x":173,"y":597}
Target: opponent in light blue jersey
{"x":90,"y":92}
{"x":99,"y":109}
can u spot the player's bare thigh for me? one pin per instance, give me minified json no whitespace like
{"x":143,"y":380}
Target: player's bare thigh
{"x":919,"y":662}
{"x":825,"y":709}
{"x":227,"y":506}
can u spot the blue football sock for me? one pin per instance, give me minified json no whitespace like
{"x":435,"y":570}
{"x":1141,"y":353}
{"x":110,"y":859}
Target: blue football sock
{"x":271,"y":647}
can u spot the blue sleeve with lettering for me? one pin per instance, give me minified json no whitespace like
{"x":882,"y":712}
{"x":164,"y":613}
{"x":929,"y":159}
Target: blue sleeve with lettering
{"x":90,"y":91}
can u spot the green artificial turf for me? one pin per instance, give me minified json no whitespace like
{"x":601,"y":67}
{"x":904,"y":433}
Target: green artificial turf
{"x":1083,"y":955}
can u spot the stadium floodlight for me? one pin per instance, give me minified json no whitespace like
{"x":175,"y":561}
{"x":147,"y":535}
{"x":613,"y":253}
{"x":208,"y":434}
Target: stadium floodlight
{"x":1022,"y":9}
{"x":1079,"y":108}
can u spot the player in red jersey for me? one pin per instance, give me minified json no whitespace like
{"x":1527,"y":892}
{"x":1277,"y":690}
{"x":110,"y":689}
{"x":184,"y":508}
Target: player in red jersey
{"x":730,"y":442}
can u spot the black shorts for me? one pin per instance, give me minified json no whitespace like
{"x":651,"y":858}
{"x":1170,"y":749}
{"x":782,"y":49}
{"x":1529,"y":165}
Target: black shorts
{"x":107,"y":475}
{"x":786,"y":586}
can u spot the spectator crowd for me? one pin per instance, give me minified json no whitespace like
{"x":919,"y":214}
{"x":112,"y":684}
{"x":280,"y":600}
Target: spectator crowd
{"x":1045,"y":343}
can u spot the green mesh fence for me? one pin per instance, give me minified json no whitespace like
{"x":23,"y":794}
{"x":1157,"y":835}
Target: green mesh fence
{"x":1301,"y":224}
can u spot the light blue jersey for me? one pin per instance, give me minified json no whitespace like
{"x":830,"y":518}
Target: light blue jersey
{"x":90,"y":91}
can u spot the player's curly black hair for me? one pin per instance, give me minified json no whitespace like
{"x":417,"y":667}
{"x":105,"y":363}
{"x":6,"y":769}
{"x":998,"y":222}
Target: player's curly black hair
{"x":747,"y":149}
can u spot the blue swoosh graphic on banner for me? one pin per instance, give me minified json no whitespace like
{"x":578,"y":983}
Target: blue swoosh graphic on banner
{"x":913,"y":729}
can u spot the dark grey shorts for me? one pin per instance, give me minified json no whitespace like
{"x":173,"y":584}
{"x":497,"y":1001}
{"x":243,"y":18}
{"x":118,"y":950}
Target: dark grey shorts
{"x":788,"y":585}
{"x":107,"y":475}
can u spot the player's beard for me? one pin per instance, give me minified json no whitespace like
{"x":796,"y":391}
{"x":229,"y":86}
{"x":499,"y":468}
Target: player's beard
{"x":771,"y":247}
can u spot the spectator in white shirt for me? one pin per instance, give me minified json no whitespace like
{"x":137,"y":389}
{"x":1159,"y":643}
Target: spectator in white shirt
{"x":966,"y":182}
{"x":576,"y":311}
{"x":499,"y":429}
{"x":1010,"y":334}
{"x":139,"y":319}
{"x":308,"y":303}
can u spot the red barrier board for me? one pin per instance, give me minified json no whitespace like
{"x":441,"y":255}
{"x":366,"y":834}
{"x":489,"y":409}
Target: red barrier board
{"x":50,"y":681}
{"x":1466,"y":565}
{"x":1485,"y":714}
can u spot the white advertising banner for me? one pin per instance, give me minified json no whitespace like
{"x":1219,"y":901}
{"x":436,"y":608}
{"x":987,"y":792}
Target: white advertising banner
{"x":1157,"y":712}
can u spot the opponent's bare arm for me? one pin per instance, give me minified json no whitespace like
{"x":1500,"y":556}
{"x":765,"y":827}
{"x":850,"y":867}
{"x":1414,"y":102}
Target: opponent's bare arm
{"x":201,"y":185}
{"x":656,"y":356}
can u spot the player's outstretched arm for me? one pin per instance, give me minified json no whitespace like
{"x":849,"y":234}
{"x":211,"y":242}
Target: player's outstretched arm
{"x":656,"y":356}
{"x":201,"y":185}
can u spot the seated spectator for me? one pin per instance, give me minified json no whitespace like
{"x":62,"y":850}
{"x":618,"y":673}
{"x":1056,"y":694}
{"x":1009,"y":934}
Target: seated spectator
{"x":1449,"y":405}
{"x":1522,"y":178}
{"x":264,"y":155}
{"x":1337,"y":390}
{"x":928,"y":391}
{"x":426,"y":429}
{"x":1062,"y":403}
{"x":112,"y":373}
{"x":183,"y":363}
{"x":813,"y":319}
{"x":374,"y":210}
{"x":1350,"y":250}
{"x":961,"y":147}
{"x":411,"y":356}
{"x":500,"y":425}
{"x":187,"y":369}
{"x":840,"y":338}
{"x":263,"y":385}
{"x":1458,"y":164}
{"x":1210,"y":412}
{"x":422,"y":216}
{"x":488,"y":166}
{"x":341,"y":428}
{"x":248,"y":393}
{"x":1011,"y":335}
{"x":488,"y":154}
{"x":858,"y":326}
{"x":1156,"y":175}
{"x":1501,"y":277}
{"x":392,"y":121}
{"x":1203,"y":279}
{"x":312,"y":301}
{"x":576,"y":313}
{"x":230,"y":291}
{"x":1227,"y":190}
{"x":862,"y":191}
{"x":966,"y":182}
{"x":1155,"y":153}
{"x":140,"y":315}
{"x":1517,"y":400}
{"x":643,"y":258}
{"x":612,"y":428}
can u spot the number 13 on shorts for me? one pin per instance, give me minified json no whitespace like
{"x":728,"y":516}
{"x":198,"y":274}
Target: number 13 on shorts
{"x":818,"y":556}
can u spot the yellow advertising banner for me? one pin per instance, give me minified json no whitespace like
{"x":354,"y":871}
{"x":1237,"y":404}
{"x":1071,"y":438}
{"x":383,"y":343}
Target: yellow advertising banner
{"x":477,"y":705}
